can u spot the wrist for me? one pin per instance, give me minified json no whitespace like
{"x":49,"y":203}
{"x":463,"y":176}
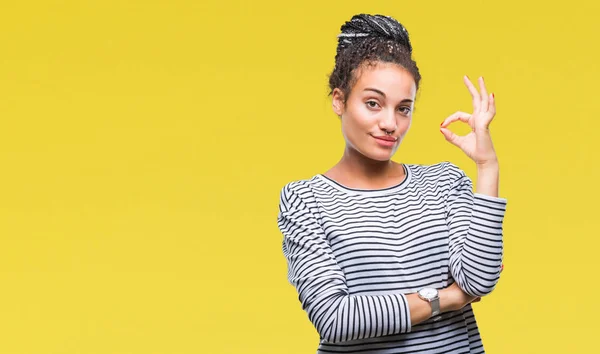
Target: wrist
{"x":448,"y":300}
{"x":445,"y":300}
{"x":432,"y":296}
{"x":488,"y":175}
{"x":489,"y":165}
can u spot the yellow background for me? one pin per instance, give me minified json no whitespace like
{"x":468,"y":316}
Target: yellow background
{"x":143,"y":145}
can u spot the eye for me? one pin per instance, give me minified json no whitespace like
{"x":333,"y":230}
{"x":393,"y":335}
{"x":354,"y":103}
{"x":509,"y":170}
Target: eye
{"x":371,"y":104}
{"x":405,"y":110}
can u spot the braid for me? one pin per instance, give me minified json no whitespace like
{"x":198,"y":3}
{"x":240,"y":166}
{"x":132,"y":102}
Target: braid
{"x":363,"y":25}
{"x":367,"y":39}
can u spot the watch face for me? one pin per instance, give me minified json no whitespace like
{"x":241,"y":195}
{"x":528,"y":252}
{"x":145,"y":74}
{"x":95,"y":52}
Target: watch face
{"x":428,"y":293}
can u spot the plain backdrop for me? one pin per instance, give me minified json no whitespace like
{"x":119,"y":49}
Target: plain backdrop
{"x":143,"y":145}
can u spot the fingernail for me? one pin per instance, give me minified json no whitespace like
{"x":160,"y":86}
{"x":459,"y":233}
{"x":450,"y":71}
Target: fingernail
{"x":442,"y":123}
{"x":493,"y":96}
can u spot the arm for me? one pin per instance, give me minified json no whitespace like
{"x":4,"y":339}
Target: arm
{"x":487,"y":179}
{"x":322,"y":289}
{"x":475,"y":224}
{"x":475,"y":219}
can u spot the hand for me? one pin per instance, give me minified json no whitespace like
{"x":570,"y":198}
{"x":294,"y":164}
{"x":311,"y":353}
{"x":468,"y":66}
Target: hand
{"x":456,"y":298}
{"x":478,"y":143}
{"x":453,"y":298}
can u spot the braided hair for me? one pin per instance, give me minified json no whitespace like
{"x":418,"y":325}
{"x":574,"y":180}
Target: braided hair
{"x":366,"y":40}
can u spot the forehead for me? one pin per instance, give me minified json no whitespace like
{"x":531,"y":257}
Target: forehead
{"x":392,"y":79}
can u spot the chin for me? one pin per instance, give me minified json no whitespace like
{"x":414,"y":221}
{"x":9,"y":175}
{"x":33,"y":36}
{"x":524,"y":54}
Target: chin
{"x":382,"y":157}
{"x":379,"y":155}
{"x":374,"y":153}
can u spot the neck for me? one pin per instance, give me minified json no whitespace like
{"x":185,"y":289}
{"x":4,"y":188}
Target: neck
{"x":362,"y":168}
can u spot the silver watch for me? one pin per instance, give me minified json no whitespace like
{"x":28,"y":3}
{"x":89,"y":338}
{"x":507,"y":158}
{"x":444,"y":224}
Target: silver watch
{"x":431,"y":295}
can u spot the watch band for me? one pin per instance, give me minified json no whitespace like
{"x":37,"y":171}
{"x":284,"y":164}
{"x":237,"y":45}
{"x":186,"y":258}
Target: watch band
{"x":435,"y":306}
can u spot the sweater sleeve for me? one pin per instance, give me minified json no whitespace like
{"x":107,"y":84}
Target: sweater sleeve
{"x":321,"y":284}
{"x":475,"y":224}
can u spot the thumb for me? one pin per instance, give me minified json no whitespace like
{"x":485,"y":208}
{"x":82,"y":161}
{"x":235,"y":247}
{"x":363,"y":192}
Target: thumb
{"x":450,"y":136}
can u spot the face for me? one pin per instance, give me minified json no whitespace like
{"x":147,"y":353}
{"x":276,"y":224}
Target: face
{"x":381,"y":100}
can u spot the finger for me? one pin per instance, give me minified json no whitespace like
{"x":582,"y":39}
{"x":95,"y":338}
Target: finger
{"x":492,"y":104}
{"x":484,"y":95}
{"x":474,"y":94}
{"x":462,"y":116}
{"x":451,"y":137}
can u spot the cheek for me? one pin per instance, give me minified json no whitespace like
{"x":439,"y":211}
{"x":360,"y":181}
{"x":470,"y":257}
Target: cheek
{"x":356,"y":120}
{"x":405,"y":125}
{"x":347,"y":129}
{"x":361,"y":118}
{"x":353,"y":129}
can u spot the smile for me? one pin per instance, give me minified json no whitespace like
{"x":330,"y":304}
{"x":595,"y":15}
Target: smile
{"x":386,"y":141}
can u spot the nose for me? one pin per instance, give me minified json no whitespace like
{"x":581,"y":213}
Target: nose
{"x":388,"y":121}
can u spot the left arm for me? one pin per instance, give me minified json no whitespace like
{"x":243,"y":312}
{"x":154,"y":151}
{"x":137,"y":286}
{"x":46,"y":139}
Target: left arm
{"x":487,"y":179}
{"x":475,"y":219}
{"x":475,"y":227}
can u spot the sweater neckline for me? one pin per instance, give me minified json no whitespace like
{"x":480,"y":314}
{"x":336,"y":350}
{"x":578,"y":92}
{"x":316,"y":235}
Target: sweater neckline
{"x":379,"y":191}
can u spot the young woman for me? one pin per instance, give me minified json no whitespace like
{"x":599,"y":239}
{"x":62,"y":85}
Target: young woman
{"x":387,"y":257}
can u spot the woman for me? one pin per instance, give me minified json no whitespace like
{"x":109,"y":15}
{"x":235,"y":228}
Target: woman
{"x":387,"y":257}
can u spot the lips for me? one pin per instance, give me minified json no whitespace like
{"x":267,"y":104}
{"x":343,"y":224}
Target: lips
{"x":386,"y":138}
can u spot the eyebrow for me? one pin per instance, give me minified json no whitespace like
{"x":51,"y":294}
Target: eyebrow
{"x":383,"y":94}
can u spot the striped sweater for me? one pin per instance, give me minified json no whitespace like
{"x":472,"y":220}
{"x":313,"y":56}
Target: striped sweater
{"x":353,"y":254}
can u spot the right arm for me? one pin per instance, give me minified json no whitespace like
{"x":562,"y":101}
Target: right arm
{"x":323,"y":291}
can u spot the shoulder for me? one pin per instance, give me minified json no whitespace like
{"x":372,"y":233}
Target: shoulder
{"x":299,"y":186}
{"x":443,"y":170}
{"x":297,"y":191}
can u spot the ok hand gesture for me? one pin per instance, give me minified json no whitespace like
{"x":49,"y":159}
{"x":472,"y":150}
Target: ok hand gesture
{"x":478,"y":143}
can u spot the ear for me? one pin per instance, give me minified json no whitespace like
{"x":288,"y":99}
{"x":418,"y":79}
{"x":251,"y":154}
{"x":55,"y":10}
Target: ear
{"x":337,"y":101}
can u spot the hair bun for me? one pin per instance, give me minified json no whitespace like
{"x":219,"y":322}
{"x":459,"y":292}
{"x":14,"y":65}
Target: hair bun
{"x":364,"y":25}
